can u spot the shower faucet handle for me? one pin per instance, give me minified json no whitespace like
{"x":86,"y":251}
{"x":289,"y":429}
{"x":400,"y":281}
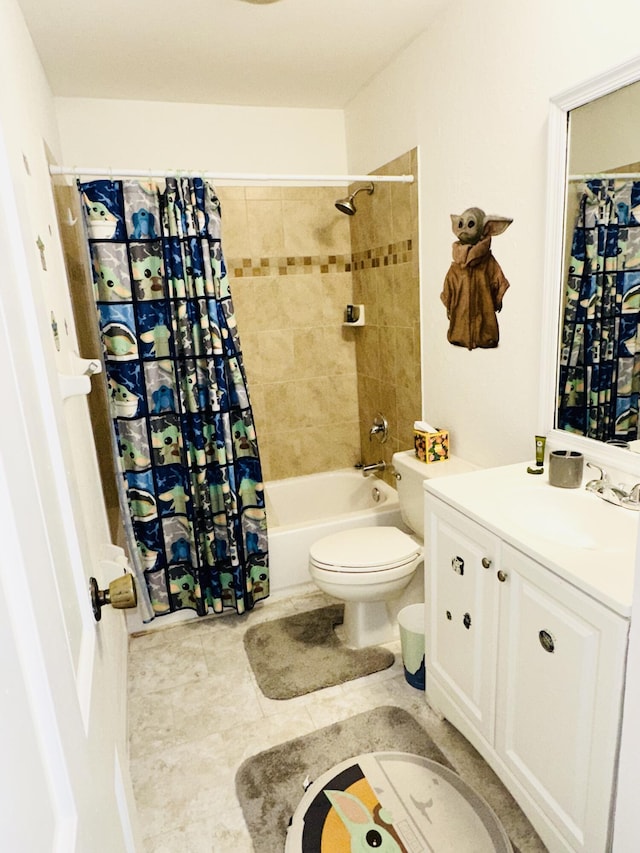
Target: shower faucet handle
{"x":380,"y":428}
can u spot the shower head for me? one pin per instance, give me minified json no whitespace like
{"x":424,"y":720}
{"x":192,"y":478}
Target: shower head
{"x":346,"y":205}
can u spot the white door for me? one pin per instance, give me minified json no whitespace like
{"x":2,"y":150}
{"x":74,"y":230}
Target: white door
{"x":64,"y":772}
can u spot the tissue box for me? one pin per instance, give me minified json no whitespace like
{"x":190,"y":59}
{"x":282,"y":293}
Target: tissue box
{"x":431,"y":446}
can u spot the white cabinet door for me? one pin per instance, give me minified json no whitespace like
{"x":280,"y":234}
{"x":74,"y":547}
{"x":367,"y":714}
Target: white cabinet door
{"x":560,"y":678}
{"x":461,"y":593}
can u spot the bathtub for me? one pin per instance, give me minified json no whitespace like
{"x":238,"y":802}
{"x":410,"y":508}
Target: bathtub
{"x":301,"y":510}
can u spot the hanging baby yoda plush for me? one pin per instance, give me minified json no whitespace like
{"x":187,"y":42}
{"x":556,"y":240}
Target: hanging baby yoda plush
{"x":474,"y":286}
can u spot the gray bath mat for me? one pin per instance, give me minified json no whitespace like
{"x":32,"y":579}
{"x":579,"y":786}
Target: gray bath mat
{"x":270,"y":785}
{"x":301,"y":653}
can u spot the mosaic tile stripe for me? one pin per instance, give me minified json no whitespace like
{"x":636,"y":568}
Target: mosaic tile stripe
{"x":382,"y":256}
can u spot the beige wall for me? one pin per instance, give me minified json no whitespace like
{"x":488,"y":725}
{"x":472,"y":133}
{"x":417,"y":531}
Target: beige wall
{"x":384,"y":243}
{"x":287,"y":251}
{"x":603,"y":134}
{"x":295,"y":262}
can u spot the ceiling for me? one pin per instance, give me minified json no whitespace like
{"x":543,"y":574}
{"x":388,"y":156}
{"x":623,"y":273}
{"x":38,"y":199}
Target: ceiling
{"x":285,"y":53}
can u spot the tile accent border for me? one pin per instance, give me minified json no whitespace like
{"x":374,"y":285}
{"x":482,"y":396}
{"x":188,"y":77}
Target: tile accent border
{"x":382,"y":256}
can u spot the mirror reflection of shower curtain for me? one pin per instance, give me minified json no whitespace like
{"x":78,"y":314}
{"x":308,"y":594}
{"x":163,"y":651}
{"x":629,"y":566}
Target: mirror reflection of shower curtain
{"x":599,"y":375}
{"x":187,"y":453}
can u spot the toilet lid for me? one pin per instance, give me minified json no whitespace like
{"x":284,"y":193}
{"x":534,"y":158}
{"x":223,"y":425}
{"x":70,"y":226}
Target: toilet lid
{"x":364,"y":549}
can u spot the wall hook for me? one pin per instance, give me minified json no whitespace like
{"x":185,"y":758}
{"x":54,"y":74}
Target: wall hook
{"x":71,"y":219}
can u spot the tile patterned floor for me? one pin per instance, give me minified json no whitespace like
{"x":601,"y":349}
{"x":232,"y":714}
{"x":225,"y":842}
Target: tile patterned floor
{"x":196,"y":713}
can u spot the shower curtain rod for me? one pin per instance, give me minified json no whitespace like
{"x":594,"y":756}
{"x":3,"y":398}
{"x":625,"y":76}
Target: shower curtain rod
{"x":628,"y":176}
{"x":90,"y":171}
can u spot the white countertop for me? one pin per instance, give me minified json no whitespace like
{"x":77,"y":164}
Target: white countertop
{"x":595,"y":550}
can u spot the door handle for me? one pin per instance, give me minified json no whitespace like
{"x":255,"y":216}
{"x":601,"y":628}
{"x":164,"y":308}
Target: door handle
{"x":120,"y":594}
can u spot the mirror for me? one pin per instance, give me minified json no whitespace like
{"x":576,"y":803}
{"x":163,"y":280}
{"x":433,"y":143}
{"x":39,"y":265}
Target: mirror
{"x":591,"y":131}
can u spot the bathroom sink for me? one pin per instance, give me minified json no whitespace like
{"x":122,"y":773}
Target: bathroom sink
{"x":572,"y":517}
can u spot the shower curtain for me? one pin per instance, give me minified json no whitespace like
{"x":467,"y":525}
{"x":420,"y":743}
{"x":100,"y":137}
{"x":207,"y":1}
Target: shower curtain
{"x":184,"y":438}
{"x":599,"y":377}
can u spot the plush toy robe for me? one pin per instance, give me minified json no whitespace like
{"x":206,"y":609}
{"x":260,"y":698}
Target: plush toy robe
{"x":475,"y":284}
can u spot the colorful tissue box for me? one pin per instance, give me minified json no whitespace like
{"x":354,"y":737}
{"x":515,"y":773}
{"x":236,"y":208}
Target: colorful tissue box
{"x":431,"y":446}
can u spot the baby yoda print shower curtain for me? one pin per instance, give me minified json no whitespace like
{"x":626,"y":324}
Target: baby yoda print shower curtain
{"x":599,"y":381}
{"x":188,"y":460}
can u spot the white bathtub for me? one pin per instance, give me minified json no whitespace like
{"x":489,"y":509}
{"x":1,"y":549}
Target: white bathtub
{"x":301,"y":510}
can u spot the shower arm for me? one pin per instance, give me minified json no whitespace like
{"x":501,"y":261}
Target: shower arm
{"x":369,"y":189}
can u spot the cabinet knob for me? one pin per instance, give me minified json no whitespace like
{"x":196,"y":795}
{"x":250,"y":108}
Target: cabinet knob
{"x":547,"y":642}
{"x":502,"y":576}
{"x":486,"y":562}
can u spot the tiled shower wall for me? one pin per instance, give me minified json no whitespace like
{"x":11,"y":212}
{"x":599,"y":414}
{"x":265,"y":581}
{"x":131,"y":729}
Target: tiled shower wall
{"x":384,"y":245}
{"x":295,"y":262}
{"x":287,"y":251}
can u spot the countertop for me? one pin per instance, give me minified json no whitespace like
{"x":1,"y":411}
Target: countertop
{"x":598,"y":554}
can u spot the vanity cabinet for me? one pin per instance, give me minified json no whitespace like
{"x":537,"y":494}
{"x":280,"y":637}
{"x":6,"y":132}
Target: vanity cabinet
{"x":530,"y":669}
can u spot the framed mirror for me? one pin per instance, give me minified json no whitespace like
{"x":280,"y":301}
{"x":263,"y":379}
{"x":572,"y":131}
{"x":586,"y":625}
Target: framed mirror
{"x":577,"y":153}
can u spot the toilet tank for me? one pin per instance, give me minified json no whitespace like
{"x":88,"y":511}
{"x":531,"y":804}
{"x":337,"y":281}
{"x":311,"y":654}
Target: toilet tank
{"x":410,"y":476}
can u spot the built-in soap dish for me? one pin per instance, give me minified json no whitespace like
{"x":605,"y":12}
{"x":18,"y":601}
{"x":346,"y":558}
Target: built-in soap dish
{"x":354,"y":315}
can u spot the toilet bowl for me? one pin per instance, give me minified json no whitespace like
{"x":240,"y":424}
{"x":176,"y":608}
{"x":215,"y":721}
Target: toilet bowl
{"x":367,"y":567}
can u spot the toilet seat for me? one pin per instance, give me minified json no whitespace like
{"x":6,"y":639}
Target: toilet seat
{"x":364,"y":549}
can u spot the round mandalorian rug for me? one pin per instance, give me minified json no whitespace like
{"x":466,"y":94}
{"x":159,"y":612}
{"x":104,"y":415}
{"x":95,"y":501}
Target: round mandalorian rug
{"x":394,"y":802}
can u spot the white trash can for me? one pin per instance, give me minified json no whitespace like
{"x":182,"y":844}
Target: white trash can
{"x":411,"y":623}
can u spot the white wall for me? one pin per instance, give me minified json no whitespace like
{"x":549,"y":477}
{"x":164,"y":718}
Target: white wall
{"x":473,"y":94}
{"x":203,"y":137}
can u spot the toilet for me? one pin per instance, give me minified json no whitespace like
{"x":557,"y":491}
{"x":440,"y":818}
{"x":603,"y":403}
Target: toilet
{"x":367,"y":567}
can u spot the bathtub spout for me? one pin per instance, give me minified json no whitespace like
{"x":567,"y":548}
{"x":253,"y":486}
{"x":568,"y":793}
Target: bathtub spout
{"x":375,"y":466}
